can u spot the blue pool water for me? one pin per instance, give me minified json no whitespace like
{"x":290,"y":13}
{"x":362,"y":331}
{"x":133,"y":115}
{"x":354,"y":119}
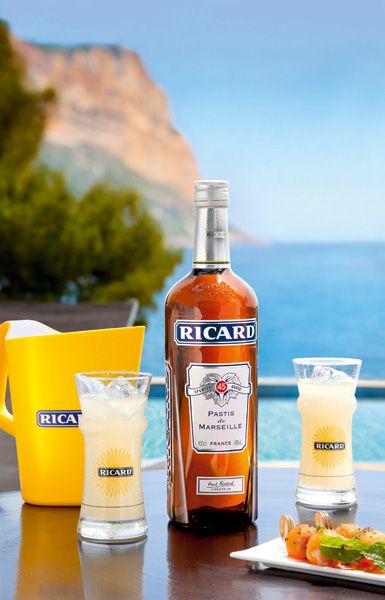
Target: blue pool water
{"x":315,"y":300}
{"x":279,"y":430}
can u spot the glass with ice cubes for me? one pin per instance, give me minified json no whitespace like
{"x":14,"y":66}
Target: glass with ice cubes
{"x":326,"y":403}
{"x":112,"y":422}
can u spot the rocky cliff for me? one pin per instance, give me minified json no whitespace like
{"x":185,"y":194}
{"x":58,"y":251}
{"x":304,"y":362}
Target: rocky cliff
{"x":112,"y":121}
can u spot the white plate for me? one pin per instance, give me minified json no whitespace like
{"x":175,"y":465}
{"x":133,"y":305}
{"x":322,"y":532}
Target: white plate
{"x":273,"y":554}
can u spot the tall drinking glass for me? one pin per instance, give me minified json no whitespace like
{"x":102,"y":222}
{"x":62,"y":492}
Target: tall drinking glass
{"x":326,"y":402}
{"x":112,"y":424}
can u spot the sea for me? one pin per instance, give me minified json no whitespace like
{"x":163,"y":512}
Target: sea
{"x":315,"y":300}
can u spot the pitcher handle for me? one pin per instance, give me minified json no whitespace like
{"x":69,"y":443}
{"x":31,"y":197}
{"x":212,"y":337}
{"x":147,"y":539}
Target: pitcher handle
{"x":6,"y":418}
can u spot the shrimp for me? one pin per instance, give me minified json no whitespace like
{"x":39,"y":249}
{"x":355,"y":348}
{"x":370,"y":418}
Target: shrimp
{"x":372,"y":536}
{"x":348,"y":530}
{"x":297,"y":540}
{"x":313,"y":553}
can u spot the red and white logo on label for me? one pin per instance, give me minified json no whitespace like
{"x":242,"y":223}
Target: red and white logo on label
{"x":221,"y":386}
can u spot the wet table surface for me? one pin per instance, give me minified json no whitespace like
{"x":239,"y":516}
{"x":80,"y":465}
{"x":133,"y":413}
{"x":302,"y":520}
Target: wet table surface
{"x":41,"y":559}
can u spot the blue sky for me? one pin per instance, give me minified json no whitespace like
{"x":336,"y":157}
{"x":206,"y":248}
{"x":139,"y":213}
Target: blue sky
{"x":284,"y":99}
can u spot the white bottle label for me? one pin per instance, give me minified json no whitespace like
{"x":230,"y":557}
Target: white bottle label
{"x":220,"y":486}
{"x":219,"y":406}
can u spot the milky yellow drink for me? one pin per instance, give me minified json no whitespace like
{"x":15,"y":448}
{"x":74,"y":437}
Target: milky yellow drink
{"x":326,"y":403}
{"x":326,"y":456}
{"x":112,"y":424}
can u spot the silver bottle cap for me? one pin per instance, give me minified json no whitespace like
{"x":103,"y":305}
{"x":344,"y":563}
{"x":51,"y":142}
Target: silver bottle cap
{"x":211,"y":193}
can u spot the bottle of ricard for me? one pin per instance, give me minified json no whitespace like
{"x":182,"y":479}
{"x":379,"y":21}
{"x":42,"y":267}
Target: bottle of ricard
{"x":211,"y":379}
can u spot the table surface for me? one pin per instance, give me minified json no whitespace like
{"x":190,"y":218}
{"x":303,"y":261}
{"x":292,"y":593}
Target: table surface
{"x":41,"y":559}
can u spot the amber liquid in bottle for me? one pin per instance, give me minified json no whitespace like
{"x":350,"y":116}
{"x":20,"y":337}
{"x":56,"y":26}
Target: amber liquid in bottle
{"x":211,"y":378}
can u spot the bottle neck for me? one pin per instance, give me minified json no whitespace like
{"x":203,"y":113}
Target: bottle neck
{"x":211,"y":241}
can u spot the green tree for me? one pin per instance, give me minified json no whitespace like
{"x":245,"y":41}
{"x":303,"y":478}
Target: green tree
{"x":38,"y":237}
{"x":23,"y":112}
{"x":102,"y":247}
{"x":123,"y":246}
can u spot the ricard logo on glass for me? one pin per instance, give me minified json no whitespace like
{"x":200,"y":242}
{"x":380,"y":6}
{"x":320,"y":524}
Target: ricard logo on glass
{"x":215,"y":333}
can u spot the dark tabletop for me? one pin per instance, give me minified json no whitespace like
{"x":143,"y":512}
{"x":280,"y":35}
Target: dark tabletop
{"x":40,"y":558}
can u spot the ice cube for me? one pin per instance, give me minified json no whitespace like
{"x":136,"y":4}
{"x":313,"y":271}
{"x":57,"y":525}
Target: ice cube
{"x":89,"y":385}
{"x":94,"y":406}
{"x":124,"y":398}
{"x":323,"y":374}
{"x":120,"y":388}
{"x":129,"y":407}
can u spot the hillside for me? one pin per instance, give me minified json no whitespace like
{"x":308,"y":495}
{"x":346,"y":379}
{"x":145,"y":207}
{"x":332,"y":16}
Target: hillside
{"x":113,"y":122}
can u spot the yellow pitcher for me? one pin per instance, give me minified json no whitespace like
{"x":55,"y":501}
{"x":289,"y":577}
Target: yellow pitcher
{"x":40,"y":363}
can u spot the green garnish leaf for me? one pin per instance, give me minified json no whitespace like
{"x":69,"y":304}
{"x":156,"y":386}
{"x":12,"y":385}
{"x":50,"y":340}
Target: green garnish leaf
{"x":337,"y":548}
{"x":352,"y":550}
{"x":376,"y":552}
